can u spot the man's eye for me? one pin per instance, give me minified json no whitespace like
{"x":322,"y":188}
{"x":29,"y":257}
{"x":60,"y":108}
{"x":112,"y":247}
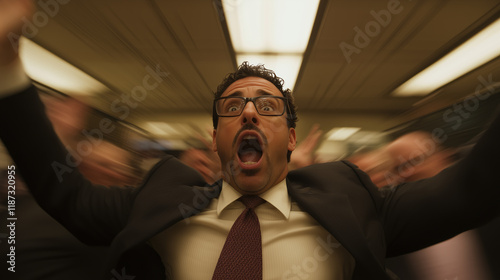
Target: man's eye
{"x":267,"y":108}
{"x":232,"y":105}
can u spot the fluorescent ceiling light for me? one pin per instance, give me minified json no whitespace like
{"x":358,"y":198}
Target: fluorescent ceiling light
{"x":286,"y":66}
{"x":271,"y":32}
{"x":341,"y":133}
{"x":173,"y":130}
{"x":160,"y":128}
{"x":52,"y":71}
{"x":278,"y":26}
{"x":481,"y":48}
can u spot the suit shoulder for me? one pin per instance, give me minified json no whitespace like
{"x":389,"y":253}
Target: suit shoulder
{"x":172,"y":171}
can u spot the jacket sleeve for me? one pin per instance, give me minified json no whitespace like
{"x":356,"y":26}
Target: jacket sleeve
{"x":94,"y":214}
{"x":462,"y":197}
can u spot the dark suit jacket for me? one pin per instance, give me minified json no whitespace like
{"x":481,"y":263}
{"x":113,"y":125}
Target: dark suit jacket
{"x":369,"y":224}
{"x":45,"y":250}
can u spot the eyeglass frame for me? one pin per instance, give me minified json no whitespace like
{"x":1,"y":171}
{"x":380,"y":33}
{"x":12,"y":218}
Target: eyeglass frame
{"x":247,"y":99}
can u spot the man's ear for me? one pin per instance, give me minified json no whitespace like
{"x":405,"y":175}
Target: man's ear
{"x":292,"y":139}
{"x":214,"y":143}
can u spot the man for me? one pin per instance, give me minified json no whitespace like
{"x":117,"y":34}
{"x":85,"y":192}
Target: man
{"x":324,"y":221}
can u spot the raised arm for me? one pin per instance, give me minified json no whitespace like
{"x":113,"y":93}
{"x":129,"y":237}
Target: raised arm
{"x":463,"y":196}
{"x":93,"y":213}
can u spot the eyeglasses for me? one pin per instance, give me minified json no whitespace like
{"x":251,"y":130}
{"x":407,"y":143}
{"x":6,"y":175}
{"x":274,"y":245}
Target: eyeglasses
{"x":232,"y":106}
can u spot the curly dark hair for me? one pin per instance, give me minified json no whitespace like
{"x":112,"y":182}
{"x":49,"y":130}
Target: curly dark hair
{"x":247,"y":70}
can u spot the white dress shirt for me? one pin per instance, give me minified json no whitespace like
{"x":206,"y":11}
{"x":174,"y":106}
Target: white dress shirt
{"x":294,"y":245}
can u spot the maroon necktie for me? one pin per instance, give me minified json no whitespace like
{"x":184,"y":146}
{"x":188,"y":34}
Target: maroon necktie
{"x":241,"y":256}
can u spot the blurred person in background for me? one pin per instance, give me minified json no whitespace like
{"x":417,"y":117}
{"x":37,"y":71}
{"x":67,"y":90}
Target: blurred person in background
{"x":205,"y":161}
{"x":303,"y":155}
{"x":377,"y":164}
{"x":109,"y":165}
{"x":417,"y":155}
{"x":68,"y":116}
{"x":101,"y":161}
{"x":44,"y":248}
{"x":411,"y":157}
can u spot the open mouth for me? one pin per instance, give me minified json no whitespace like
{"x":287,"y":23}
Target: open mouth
{"x":249,"y":150}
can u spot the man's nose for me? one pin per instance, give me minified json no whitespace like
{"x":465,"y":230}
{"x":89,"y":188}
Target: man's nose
{"x":250,"y":114}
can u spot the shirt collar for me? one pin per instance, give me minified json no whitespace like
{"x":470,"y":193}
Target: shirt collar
{"x":277,"y":196}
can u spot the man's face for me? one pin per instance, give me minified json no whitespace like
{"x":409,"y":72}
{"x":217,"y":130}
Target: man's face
{"x":253,"y":148}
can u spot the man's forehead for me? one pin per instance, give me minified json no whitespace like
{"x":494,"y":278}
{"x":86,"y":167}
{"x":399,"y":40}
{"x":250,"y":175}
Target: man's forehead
{"x":252,"y":83}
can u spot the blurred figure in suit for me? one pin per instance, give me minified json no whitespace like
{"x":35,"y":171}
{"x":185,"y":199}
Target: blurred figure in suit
{"x":411,"y":157}
{"x":44,"y":248}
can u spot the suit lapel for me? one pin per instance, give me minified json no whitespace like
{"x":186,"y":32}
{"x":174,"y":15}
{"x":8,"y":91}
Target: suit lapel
{"x":160,"y":204}
{"x":334,"y":212}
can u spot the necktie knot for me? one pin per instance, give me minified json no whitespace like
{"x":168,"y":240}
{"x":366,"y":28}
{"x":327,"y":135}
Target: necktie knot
{"x":251,"y":201}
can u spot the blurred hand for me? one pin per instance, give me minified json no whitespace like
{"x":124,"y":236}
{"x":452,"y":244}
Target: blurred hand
{"x":11,"y":14}
{"x":204,"y":161}
{"x":303,"y":155}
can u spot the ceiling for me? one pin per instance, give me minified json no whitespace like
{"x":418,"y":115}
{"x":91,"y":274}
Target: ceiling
{"x":187,"y":43}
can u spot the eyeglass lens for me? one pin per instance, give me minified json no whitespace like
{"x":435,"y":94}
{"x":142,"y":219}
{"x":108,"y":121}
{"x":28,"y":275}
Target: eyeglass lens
{"x":233,"y":106}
